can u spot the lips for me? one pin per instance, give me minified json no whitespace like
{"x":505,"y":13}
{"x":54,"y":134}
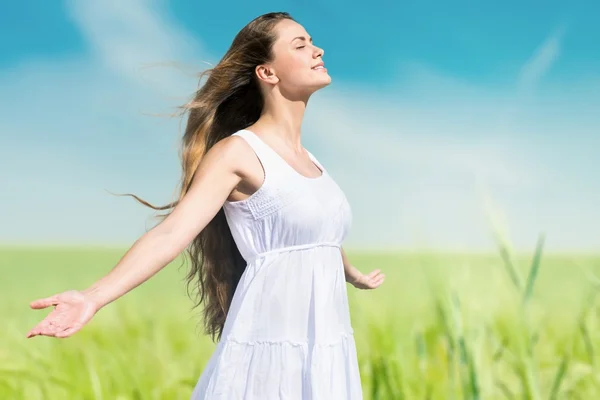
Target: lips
{"x":320,"y":66}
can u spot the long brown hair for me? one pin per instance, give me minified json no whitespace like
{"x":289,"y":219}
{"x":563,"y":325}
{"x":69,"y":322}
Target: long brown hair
{"x":229,"y":100}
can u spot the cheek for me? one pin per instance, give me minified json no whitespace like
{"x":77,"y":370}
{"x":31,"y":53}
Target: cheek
{"x":294,"y":68}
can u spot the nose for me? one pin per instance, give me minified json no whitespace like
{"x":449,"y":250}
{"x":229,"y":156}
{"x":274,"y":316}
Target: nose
{"x":318,"y":52}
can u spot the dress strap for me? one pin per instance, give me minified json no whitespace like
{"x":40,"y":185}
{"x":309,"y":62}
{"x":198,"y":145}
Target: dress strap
{"x":269,"y":157}
{"x":314,"y":160}
{"x":264,"y":154}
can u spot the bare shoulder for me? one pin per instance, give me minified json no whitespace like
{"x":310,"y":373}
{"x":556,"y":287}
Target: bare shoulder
{"x":230,"y":147}
{"x":234,"y":152}
{"x":228,"y":153}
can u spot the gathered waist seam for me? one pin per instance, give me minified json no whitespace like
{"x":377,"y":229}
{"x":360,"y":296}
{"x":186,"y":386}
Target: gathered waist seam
{"x":293,"y":248}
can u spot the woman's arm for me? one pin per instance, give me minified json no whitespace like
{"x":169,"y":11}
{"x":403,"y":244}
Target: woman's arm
{"x":351,"y":273}
{"x":217,"y":175}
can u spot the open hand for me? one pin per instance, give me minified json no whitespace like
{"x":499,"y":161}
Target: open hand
{"x":72,"y":310}
{"x":369,"y":281}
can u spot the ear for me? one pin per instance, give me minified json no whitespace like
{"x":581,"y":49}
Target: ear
{"x":267,"y":74}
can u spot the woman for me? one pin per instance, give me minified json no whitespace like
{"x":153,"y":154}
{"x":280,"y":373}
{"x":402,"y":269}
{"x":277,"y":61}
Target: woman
{"x":263,"y":223}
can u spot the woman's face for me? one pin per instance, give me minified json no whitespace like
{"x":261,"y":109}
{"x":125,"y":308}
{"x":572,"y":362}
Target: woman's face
{"x":297,"y":66}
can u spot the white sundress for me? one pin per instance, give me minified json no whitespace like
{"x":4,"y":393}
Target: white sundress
{"x":288,"y":334}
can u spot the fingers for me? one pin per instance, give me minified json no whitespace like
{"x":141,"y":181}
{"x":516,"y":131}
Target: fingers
{"x":40,"y":330}
{"x":57,"y":331}
{"x":376,"y":278}
{"x":37,"y":330}
{"x":46,"y":328}
{"x":62,"y":323}
{"x":51,"y":325}
{"x":372,"y":274}
{"x":379,"y":281}
{"x":43,"y":303}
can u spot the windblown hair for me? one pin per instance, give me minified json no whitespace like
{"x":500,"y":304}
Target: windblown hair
{"x":229,"y":100}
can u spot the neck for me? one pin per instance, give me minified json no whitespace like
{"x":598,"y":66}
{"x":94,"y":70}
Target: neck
{"x":282,"y":118}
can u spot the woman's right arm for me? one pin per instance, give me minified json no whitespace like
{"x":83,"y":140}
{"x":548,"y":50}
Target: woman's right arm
{"x":217,"y":175}
{"x":215,"y":178}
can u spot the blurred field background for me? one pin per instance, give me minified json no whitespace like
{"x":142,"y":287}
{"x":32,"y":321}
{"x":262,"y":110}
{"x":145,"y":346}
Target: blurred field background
{"x":443,"y":326}
{"x":436,"y":111}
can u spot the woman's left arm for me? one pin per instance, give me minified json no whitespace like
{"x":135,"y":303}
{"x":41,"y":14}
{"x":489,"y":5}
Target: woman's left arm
{"x":357,"y":278}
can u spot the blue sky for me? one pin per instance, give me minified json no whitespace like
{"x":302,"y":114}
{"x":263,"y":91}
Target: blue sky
{"x":434,"y":108}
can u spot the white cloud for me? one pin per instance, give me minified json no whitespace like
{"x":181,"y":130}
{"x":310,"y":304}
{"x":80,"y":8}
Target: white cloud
{"x":413,"y":160}
{"x":128,"y":35}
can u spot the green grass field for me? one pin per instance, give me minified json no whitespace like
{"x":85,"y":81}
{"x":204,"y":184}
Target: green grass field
{"x":441,"y":327}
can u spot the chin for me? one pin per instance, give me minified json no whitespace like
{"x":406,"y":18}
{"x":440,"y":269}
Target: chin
{"x":323,"y":82}
{"x":326,"y":79}
{"x":308,"y":89}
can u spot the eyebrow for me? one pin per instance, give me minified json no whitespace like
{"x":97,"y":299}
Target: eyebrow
{"x":301,"y":38}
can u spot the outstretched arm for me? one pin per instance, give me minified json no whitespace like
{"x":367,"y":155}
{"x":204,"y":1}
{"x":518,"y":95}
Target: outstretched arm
{"x":216,"y":176}
{"x":353,"y":276}
{"x":213,"y":181}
